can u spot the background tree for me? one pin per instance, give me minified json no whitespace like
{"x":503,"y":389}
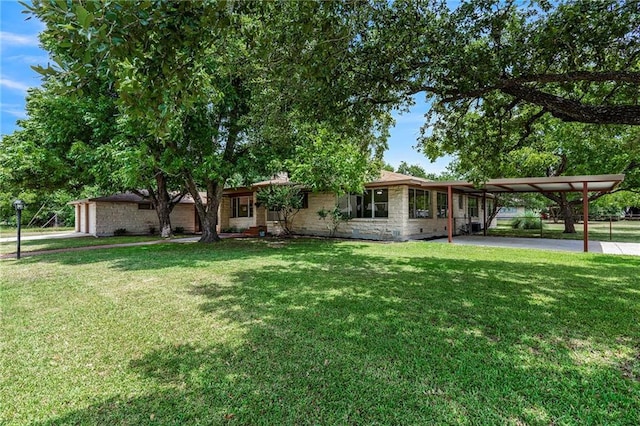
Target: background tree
{"x":203,"y":76}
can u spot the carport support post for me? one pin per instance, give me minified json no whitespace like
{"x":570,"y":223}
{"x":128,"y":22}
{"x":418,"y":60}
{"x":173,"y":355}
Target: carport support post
{"x":585,"y":214}
{"x":484,"y":213}
{"x":449,"y":213}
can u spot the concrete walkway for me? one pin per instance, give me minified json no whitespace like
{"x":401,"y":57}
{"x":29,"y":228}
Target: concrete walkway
{"x":103,"y":246}
{"x":43,"y":236}
{"x":631,"y":249}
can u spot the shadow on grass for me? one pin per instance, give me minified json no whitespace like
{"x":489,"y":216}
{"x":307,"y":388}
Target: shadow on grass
{"x":340,"y":336}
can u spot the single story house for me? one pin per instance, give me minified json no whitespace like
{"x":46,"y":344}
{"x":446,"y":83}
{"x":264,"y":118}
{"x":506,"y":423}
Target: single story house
{"x":394,"y":207}
{"x":511,"y":212}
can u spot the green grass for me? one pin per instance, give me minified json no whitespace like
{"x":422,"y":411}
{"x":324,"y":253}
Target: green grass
{"x":64,"y":243}
{"x":621,"y":231}
{"x":320,"y":332}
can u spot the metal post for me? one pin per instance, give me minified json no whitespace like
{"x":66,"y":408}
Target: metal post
{"x":610,"y":229}
{"x":484,"y":213}
{"x":19,"y":206}
{"x":541,"y":226}
{"x":19,"y":217}
{"x":585,"y":214}
{"x":450,"y":213}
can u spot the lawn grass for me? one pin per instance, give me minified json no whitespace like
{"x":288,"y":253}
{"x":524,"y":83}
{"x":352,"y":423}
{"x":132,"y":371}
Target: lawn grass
{"x":64,"y":243}
{"x":621,"y":231}
{"x":320,"y":332}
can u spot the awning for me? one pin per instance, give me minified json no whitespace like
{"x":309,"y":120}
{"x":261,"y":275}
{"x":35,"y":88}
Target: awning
{"x":583,"y":184}
{"x":599,"y":183}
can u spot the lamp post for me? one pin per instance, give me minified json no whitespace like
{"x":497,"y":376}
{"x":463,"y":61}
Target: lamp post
{"x":19,"y":206}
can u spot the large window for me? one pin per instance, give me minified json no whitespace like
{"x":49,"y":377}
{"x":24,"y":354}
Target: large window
{"x":443,"y":205}
{"x":473,"y":207}
{"x":419,"y":204}
{"x":374,"y":203}
{"x":242,"y":206}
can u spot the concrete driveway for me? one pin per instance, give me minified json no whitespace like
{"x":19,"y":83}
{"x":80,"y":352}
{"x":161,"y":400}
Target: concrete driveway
{"x":43,"y":236}
{"x":607,"y":247}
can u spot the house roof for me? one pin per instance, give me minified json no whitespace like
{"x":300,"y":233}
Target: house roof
{"x":129,"y":197}
{"x":279,"y":179}
{"x":393,"y":178}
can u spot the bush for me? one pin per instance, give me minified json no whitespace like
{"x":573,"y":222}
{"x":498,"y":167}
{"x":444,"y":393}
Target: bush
{"x":179,"y":230}
{"x":526,"y":221}
{"x":120,"y":232}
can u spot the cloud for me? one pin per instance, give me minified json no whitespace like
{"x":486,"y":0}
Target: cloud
{"x":15,"y":85}
{"x":29,"y":59}
{"x":13,"y":39}
{"x":14,"y":110}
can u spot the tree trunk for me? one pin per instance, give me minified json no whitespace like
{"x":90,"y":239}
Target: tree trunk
{"x":207,"y":210}
{"x":567,"y":212}
{"x":163,"y":204}
{"x":163,"y":211}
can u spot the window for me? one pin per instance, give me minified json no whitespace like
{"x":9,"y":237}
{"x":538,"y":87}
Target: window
{"x":242,"y":206}
{"x":145,"y":206}
{"x":443,"y":205}
{"x":461,"y":202}
{"x":374,"y":203}
{"x":473,"y":207}
{"x":305,"y":200}
{"x":419,"y":204}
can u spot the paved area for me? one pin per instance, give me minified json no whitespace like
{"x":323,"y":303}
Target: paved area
{"x":103,"y":246}
{"x":631,"y":249}
{"x":607,"y":247}
{"x":43,"y":236}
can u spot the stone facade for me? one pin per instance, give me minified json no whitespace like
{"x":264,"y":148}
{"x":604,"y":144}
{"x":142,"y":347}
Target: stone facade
{"x":396,"y":227}
{"x":104,"y":218}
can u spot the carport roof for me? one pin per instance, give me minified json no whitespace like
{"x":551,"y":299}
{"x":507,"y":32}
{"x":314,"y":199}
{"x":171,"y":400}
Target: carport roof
{"x":601,"y":183}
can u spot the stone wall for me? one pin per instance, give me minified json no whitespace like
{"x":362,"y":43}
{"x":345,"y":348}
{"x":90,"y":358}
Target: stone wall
{"x":112,"y":216}
{"x":397,"y":226}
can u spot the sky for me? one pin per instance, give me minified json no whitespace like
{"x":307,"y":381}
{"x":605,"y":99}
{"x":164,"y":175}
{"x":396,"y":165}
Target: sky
{"x":19,"y":49}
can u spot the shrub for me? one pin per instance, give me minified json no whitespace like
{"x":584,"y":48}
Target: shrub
{"x":179,"y":230}
{"x":120,"y":232}
{"x":526,"y":221}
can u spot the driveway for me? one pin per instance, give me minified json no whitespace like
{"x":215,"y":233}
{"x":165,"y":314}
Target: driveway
{"x":607,"y":247}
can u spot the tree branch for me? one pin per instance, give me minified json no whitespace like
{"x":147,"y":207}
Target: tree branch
{"x":570,"y":110}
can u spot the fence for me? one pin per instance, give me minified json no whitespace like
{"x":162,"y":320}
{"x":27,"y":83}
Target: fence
{"x":603,"y":228}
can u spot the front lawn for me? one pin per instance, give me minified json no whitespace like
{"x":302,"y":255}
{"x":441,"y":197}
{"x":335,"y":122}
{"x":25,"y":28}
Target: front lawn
{"x":320,"y":332}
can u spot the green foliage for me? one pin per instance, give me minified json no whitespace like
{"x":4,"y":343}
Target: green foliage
{"x":527,"y":221}
{"x":287,"y":200}
{"x":220,"y":89}
{"x":333,"y":218}
{"x":120,"y":232}
{"x":326,"y":161}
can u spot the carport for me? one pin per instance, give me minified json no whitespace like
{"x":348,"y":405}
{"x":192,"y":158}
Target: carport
{"x":583,"y":184}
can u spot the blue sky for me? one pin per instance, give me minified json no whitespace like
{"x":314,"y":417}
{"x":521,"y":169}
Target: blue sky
{"x":19,"y":50}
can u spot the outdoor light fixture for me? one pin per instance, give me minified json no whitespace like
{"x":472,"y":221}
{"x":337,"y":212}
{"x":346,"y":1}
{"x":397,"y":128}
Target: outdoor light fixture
{"x":19,"y":206}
